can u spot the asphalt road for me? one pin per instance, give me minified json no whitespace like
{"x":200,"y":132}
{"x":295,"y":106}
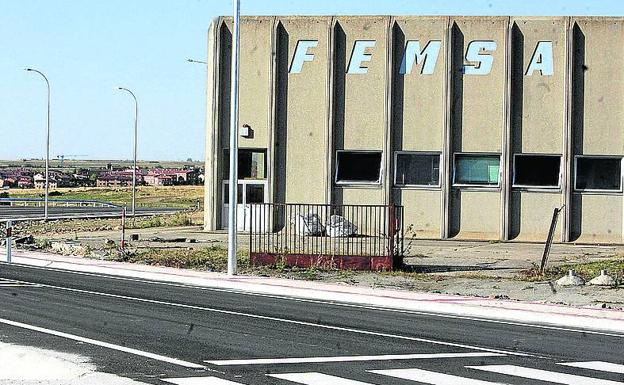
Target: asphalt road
{"x":153,"y":332}
{"x":21,"y":213}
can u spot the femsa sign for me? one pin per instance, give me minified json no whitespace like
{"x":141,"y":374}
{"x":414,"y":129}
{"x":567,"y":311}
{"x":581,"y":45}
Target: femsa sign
{"x":478,"y":57}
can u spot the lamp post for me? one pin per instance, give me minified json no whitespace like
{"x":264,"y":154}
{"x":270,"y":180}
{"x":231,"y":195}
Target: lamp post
{"x":47,"y":159}
{"x":233,"y":193}
{"x":196,"y":61}
{"x":134,"y":167}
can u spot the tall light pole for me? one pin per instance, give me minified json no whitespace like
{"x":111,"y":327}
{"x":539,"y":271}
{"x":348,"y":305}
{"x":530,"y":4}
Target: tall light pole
{"x":196,"y":61}
{"x":47,"y":159}
{"x":234,"y":143}
{"x":134,"y":167}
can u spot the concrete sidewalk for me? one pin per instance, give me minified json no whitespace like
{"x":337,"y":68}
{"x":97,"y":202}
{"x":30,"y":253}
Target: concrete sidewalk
{"x":603,"y":320}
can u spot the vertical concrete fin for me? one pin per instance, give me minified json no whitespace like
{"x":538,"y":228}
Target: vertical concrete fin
{"x":331,"y":73}
{"x":567,"y":135}
{"x":506,"y":139}
{"x":447,"y":139}
{"x":211,"y":126}
{"x":271,"y":122}
{"x":388,"y":150}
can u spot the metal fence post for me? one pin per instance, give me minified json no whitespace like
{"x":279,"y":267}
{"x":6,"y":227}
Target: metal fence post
{"x":123,"y":229}
{"x":9,"y":230}
{"x":549,"y":238}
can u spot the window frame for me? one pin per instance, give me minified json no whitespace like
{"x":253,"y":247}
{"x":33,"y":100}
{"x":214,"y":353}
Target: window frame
{"x":479,"y":186}
{"x":360,"y":183}
{"x":226,"y":159}
{"x":598,"y":191}
{"x":418,"y":186}
{"x":534,"y":187}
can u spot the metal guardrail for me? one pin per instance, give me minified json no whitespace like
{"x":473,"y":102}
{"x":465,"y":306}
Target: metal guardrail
{"x":39,"y":202}
{"x":361,"y":237}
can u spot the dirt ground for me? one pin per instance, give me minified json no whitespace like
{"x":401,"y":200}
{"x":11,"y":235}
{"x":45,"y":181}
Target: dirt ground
{"x":483,"y":269}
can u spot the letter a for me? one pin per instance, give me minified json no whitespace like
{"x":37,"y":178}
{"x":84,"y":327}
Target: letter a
{"x":542,"y":59}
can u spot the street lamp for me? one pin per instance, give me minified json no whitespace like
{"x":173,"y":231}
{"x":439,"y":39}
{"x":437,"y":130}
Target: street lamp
{"x":134,"y":168}
{"x":196,"y":61}
{"x":47,"y":159}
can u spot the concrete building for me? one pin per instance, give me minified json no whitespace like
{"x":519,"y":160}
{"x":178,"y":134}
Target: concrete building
{"x":478,"y":126}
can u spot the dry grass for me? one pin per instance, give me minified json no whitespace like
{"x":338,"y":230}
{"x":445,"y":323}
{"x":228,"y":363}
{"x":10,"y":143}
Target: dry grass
{"x":588,"y":270}
{"x":170,"y":196}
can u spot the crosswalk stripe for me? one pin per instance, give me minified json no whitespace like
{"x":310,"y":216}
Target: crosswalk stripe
{"x":314,"y":378}
{"x":432,"y":378}
{"x":387,"y":357}
{"x":199,"y":381}
{"x":544,"y":375}
{"x":597,"y":365}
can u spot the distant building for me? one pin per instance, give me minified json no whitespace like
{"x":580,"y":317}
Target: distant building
{"x":25,"y":182}
{"x":156,"y":179}
{"x":121,"y":178}
{"x":171,"y":176}
{"x":56,"y":180}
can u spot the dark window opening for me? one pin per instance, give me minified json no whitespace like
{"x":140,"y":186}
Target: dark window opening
{"x":598,"y":173}
{"x":254,"y":193}
{"x":251,"y":164}
{"x":537,"y":170}
{"x":358,"y":167}
{"x":239,"y":194}
{"x":417,"y":169}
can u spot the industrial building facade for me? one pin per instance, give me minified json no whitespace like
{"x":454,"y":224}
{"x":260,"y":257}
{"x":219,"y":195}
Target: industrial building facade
{"x":478,"y":126}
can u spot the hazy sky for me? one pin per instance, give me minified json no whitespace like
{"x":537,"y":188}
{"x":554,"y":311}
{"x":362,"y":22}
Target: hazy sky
{"x":88,"y":47}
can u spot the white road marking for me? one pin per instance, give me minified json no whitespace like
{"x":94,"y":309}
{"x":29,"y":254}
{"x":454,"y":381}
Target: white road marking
{"x":12,"y":283}
{"x":433,"y":378}
{"x":90,"y":341}
{"x":324,"y":302}
{"x":314,"y":378}
{"x":544,"y":375}
{"x":199,"y":381}
{"x":289,"y":321}
{"x":597,"y":365}
{"x":387,"y":357}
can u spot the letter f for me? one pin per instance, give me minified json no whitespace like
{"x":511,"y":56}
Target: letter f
{"x":301,"y":55}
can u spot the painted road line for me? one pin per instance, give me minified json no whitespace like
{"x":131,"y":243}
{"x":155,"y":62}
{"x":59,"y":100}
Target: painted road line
{"x":199,"y":381}
{"x":12,"y":282}
{"x":147,"y":277}
{"x":90,"y":341}
{"x":433,"y":378}
{"x":544,"y":375}
{"x":387,"y":357}
{"x":290,"y":321}
{"x":314,"y":378}
{"x":597,"y":365}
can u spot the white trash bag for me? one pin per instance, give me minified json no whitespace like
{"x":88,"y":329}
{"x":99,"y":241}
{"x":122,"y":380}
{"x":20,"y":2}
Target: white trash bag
{"x":309,"y":224}
{"x":338,"y":226}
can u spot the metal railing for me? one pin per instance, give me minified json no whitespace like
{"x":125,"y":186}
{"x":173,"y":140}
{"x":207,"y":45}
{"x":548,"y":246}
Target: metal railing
{"x":39,"y":202}
{"x":342,"y":236}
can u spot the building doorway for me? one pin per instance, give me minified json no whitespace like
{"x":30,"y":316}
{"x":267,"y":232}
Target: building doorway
{"x":249,"y":191}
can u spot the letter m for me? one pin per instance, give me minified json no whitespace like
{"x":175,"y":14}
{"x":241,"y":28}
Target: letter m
{"x":428,"y":56}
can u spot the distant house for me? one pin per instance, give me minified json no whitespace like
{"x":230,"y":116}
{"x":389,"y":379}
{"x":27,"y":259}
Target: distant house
{"x":171,"y":176}
{"x":156,"y":179}
{"x":25,"y":182}
{"x":56,"y":180}
{"x":119,"y":178}
{"x":8,"y":181}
